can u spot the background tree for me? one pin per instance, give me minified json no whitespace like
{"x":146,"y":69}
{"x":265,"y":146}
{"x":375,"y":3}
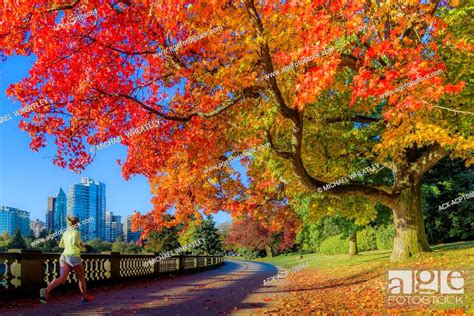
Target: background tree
{"x":313,"y":233}
{"x":43,"y":234}
{"x":118,"y":245}
{"x":326,"y":216}
{"x":17,"y":241}
{"x":212,"y":240}
{"x":268,"y":205}
{"x":250,"y":234}
{"x":51,"y":244}
{"x":4,"y":236}
{"x":163,"y":240}
{"x":132,"y":248}
{"x":446,"y":182}
{"x":124,"y":247}
{"x":223,"y":229}
{"x":319,"y":118}
{"x":48,"y":245}
{"x":4,"y":241}
{"x":188,"y":234}
{"x":98,"y":245}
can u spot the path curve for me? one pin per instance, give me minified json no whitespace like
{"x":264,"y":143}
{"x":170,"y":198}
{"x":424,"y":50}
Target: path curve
{"x":233,"y":288}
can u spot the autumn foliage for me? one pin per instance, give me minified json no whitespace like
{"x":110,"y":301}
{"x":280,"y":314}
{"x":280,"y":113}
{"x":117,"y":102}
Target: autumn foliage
{"x":252,"y":235}
{"x":102,"y":76}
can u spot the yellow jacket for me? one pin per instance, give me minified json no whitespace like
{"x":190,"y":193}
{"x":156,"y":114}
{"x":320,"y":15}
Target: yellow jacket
{"x":71,"y":242}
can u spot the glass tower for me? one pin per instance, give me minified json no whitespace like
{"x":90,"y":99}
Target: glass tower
{"x":50,"y":214}
{"x":86,"y":200}
{"x":109,"y":233}
{"x":130,"y":236}
{"x":117,"y":226}
{"x":113,"y":226}
{"x":12,"y":218}
{"x":60,"y":209}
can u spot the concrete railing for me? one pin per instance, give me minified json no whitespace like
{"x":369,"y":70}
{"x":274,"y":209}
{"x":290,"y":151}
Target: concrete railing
{"x":33,"y":269}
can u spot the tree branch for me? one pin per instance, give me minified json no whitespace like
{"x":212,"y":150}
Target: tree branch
{"x":350,"y":62}
{"x":427,"y":161}
{"x":251,"y":92}
{"x":314,"y":184}
{"x":355,"y":118}
{"x":281,"y":153}
{"x":64,"y":6}
{"x":267,"y":61}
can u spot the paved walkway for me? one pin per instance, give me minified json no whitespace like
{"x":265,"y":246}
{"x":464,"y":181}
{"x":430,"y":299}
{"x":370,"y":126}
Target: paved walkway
{"x":233,"y":288}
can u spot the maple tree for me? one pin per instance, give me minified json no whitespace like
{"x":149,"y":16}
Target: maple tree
{"x":102,"y":76}
{"x":249,"y":233}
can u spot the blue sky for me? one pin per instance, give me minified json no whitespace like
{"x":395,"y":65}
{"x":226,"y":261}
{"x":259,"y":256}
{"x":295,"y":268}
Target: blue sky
{"x":28,"y":178}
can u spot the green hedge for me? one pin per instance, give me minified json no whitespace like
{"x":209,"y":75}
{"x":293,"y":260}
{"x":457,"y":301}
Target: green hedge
{"x":335,"y":245}
{"x":370,"y":238}
{"x":248,"y":254}
{"x":367,"y":239}
{"x":385,"y":235}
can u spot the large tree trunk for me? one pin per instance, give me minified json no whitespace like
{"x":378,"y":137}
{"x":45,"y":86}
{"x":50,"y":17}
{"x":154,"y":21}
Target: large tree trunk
{"x":268,"y":249}
{"x":410,"y":237}
{"x":353,"y":244}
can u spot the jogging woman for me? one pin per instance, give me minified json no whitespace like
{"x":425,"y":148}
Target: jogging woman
{"x":70,"y":259}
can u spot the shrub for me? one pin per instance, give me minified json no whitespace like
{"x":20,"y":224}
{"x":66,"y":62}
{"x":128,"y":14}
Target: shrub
{"x":335,"y":245}
{"x":248,"y":254}
{"x":313,"y":234}
{"x":367,"y":239}
{"x":385,"y":235}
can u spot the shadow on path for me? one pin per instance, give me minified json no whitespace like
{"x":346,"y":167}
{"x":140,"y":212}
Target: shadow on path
{"x":234,"y":286}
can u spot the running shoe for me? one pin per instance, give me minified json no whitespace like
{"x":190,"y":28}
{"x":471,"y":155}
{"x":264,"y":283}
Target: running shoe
{"x":43,"y":299}
{"x":88,"y":298}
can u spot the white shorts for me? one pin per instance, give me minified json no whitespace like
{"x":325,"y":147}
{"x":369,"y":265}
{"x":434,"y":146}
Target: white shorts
{"x":70,"y":260}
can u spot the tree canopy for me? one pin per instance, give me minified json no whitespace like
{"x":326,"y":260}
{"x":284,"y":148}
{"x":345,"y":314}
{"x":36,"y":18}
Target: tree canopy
{"x":376,"y":82}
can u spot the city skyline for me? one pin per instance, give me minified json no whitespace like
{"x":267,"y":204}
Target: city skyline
{"x":86,"y":199}
{"x":24,"y":172}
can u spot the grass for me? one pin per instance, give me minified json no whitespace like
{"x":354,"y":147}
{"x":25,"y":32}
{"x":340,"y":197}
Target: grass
{"x":325,"y":262}
{"x":337,"y":268}
{"x":456,"y":255}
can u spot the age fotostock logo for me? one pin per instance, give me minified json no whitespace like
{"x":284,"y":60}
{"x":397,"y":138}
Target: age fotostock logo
{"x":425,"y":287}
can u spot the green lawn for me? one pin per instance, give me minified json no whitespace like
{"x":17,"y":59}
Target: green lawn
{"x":328,"y":261}
{"x":456,"y":256}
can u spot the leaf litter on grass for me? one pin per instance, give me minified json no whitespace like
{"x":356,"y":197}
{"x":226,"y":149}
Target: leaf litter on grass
{"x":360,"y":289}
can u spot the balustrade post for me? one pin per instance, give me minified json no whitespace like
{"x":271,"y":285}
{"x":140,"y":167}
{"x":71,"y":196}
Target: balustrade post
{"x":182,"y":258}
{"x":31,"y":268}
{"x":156,"y":264}
{"x":115,"y":265}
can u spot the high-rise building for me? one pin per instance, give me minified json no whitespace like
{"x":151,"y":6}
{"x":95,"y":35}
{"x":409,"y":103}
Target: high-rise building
{"x":12,"y":218}
{"x":113,"y":226}
{"x":37,"y":227}
{"x":50,"y":214}
{"x":117,"y":226}
{"x":109,"y":234}
{"x":129,"y":236}
{"x":86,"y":200}
{"x":60,"y":211}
